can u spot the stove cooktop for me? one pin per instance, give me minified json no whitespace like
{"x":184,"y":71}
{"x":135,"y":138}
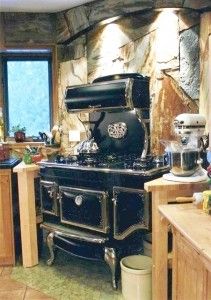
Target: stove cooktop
{"x":113,"y":163}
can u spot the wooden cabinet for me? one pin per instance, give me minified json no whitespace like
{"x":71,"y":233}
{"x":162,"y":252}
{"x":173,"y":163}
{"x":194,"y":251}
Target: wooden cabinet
{"x":165,"y":192}
{"x":191,"y":268}
{"x":7,"y":253}
{"x":191,"y":278}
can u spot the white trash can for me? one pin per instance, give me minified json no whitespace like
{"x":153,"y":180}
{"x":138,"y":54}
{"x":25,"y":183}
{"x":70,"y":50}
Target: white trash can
{"x":136,"y":276}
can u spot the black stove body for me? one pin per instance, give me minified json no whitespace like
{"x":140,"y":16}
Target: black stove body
{"x":93,"y":204}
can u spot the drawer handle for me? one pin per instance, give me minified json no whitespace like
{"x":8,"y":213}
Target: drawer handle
{"x":79,"y":200}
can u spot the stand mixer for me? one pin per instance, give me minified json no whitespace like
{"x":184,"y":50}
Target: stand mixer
{"x":184,"y":155}
{"x":190,"y":127}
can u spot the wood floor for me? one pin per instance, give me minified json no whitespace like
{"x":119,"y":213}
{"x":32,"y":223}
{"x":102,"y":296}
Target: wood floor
{"x":13,"y":290}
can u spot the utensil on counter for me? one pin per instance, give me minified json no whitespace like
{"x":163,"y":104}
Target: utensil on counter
{"x":43,"y":137}
{"x":197,"y":199}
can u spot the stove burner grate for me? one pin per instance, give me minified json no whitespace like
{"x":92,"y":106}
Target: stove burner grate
{"x":112,"y":161}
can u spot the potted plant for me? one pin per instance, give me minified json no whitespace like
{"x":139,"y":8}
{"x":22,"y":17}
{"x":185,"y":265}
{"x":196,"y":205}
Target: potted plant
{"x":19,"y":133}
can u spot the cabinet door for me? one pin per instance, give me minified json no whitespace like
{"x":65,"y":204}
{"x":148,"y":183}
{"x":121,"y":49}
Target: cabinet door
{"x":190,"y":277}
{"x":130,"y":210}
{"x":7,"y":256}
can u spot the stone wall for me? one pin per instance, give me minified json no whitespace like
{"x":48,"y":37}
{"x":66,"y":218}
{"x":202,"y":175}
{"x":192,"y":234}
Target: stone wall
{"x":25,"y":29}
{"x":72,"y":71}
{"x":72,"y":22}
{"x":162,"y":45}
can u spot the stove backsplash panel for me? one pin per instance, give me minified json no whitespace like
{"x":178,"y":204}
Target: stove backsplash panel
{"x":112,"y":138}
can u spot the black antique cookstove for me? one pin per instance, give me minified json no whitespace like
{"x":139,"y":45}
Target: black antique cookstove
{"x":93,"y":204}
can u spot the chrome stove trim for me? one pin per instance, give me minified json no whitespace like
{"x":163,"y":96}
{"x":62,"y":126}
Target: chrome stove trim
{"x":138,"y":113}
{"x":128,"y":93}
{"x":53,"y":194}
{"x":144,"y":173}
{"x":73,"y":233}
{"x":110,"y":257}
{"x":51,"y":248}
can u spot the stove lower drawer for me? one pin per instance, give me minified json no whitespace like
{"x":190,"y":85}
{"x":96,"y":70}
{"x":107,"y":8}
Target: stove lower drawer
{"x":84,"y":208}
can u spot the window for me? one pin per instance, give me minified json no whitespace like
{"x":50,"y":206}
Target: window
{"x":27,"y":90}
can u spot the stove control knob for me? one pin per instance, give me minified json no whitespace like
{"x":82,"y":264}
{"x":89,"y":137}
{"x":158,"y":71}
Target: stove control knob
{"x":79,"y":200}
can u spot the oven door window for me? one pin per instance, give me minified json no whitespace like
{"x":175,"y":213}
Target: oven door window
{"x":84,"y":208}
{"x":49,"y":197}
{"x":131,"y":211}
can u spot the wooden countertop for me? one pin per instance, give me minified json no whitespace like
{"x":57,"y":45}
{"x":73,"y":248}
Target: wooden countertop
{"x":160,"y":183}
{"x":22,"y":167}
{"x":194,"y":224}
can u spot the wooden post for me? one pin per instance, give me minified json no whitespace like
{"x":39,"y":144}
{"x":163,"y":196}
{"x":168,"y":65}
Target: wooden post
{"x":26,"y":175}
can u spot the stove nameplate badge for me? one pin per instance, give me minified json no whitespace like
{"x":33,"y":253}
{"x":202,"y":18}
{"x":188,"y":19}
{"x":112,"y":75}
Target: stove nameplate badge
{"x":117,"y":130}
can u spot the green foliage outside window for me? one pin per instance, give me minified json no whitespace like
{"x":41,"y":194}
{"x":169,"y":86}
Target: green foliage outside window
{"x":28,"y":95}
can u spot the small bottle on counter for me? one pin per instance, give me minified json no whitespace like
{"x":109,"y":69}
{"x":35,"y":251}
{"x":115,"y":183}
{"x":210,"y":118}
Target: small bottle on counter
{"x":207,"y":201}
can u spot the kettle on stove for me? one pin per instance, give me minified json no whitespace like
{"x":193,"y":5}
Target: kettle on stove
{"x":88,"y":147}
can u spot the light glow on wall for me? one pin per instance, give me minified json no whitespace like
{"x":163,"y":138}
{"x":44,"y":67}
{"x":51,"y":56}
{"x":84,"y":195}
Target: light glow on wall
{"x":167,"y":39}
{"x":111,"y":61}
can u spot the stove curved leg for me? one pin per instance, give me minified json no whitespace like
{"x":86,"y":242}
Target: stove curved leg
{"x":110,"y":258}
{"x":50,"y":244}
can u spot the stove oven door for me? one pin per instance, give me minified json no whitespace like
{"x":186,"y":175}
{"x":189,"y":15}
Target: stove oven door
{"x":49,"y":197}
{"x":84,"y":208}
{"x":130,"y":211}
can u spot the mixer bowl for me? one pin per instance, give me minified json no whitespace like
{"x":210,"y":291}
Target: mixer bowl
{"x":183,"y":163}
